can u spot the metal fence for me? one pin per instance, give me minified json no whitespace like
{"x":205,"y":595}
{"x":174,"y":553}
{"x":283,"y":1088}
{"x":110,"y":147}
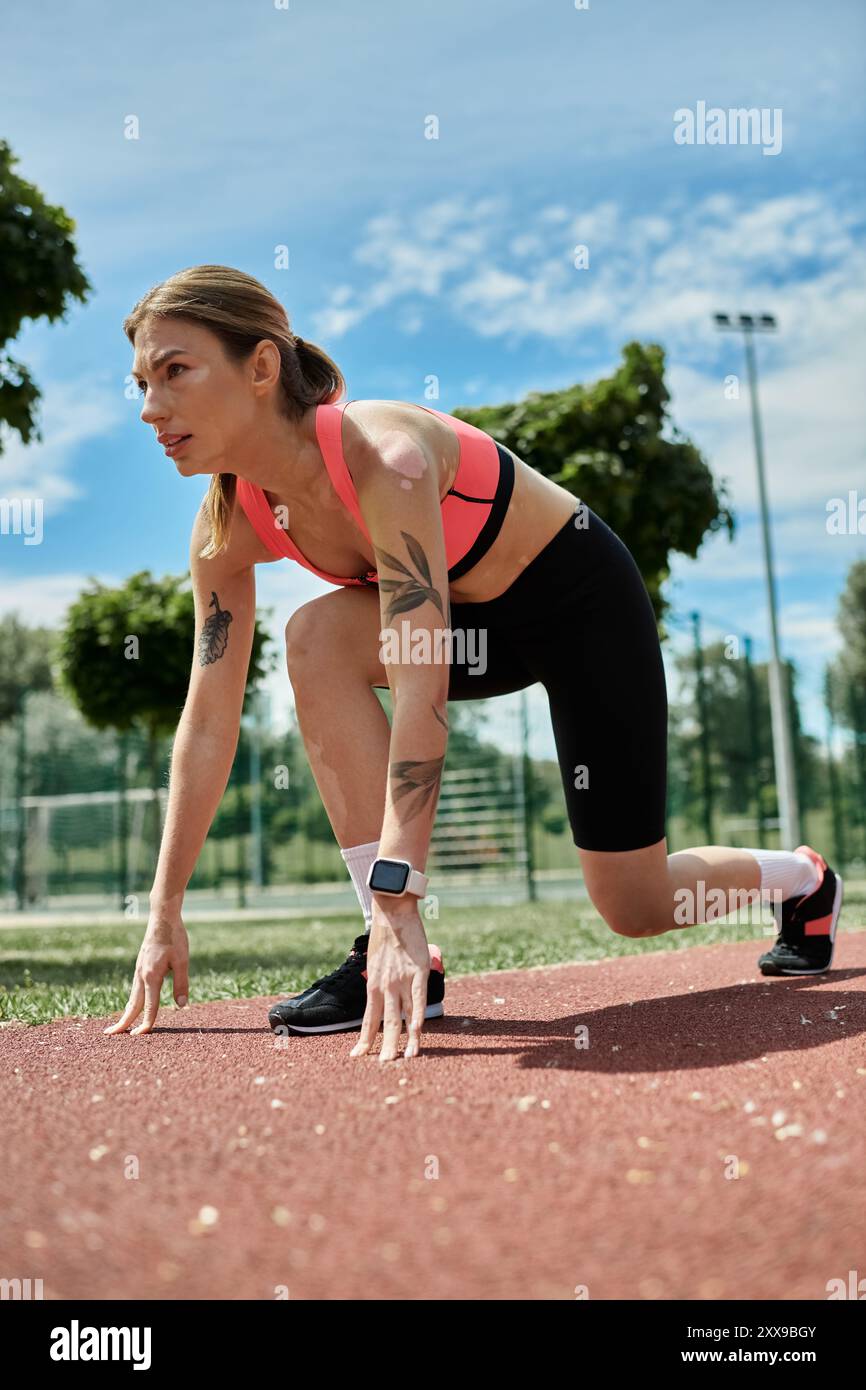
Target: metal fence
{"x":78,"y":807}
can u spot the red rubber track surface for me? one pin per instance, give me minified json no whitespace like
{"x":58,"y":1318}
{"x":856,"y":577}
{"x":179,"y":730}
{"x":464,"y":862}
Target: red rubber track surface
{"x":266,"y":1171}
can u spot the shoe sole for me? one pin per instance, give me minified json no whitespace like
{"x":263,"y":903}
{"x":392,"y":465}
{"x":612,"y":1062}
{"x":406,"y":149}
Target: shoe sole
{"x":431,"y":1011}
{"x":837,"y":906}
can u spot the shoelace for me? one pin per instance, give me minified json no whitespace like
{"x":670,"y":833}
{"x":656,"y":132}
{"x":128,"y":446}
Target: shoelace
{"x":350,"y":966}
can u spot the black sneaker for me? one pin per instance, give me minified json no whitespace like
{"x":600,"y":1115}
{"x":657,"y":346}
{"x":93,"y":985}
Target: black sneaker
{"x":338,"y":1001}
{"x":807,"y":932}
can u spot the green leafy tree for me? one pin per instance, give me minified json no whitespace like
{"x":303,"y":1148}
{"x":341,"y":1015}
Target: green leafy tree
{"x":26,"y":658}
{"x":846,"y":689}
{"x":26,"y":655}
{"x":125,"y":656}
{"x":740,"y":740}
{"x":39,"y":274}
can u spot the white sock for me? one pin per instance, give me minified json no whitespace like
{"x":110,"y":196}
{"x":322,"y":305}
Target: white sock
{"x":358,"y":860}
{"x":794,"y":874}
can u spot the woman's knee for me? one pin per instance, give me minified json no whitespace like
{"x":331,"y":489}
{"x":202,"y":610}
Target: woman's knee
{"x":630,"y":889}
{"x":335,"y":633}
{"x":628,"y":925}
{"x":301,"y":641}
{"x":629,"y":919}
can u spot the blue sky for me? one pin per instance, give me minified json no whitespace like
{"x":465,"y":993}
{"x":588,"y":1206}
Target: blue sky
{"x":304,"y":126}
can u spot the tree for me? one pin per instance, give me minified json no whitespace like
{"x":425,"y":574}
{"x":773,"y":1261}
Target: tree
{"x":25,"y":667}
{"x":740,"y":739}
{"x":846,"y":679}
{"x":39,"y":274}
{"x":609,"y":445}
{"x":125,"y":657}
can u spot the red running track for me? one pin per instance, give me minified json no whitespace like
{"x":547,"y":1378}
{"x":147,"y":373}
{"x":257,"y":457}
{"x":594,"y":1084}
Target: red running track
{"x":204,"y":1161}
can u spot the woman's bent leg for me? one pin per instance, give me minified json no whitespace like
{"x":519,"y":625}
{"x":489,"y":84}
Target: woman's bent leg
{"x":332,"y":646}
{"x":644,"y":892}
{"x":582,"y":622}
{"x":332,"y":652}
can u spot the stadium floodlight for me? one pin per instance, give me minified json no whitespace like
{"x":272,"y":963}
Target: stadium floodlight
{"x":783,"y":746}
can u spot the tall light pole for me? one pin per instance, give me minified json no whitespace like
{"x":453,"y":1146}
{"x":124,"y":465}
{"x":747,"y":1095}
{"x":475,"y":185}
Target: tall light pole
{"x":783,"y":745}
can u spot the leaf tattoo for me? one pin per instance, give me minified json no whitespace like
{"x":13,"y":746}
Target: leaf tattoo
{"x":411,"y":592}
{"x":443,"y":722}
{"x":419,"y":559}
{"x":215,"y":633}
{"x":421,"y":777}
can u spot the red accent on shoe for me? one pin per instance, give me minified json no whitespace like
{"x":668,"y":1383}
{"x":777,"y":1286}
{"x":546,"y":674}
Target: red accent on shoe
{"x":819,"y":862}
{"x":820,"y":926}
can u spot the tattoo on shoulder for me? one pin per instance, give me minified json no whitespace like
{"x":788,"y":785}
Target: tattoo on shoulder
{"x":214,"y":636}
{"x":414,"y":589}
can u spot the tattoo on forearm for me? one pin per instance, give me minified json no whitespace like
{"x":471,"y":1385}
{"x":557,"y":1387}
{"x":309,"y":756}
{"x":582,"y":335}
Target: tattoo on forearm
{"x":421,"y":776}
{"x":418,"y":780}
{"x":412,"y":591}
{"x":214,"y":636}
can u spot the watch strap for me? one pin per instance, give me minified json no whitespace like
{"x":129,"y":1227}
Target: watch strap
{"x":417,"y":883}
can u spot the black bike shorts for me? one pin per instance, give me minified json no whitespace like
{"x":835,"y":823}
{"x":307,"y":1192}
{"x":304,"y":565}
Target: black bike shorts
{"x":578,"y":619}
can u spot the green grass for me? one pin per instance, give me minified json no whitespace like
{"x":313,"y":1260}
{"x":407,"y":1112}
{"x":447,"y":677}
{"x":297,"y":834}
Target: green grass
{"x":85,"y":972}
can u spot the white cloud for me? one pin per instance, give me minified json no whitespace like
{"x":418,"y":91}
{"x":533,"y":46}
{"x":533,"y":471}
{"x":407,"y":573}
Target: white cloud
{"x":491,"y":289}
{"x":71,"y":414}
{"x":800,"y":543}
{"x":412,"y":256}
{"x":593,"y":226}
{"x":554,"y":214}
{"x":806,"y":626}
{"x":41,"y":600}
{"x":813,"y":425}
{"x":659,"y":275}
{"x":526,"y":245}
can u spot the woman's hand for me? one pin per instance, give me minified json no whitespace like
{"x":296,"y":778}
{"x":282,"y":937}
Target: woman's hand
{"x":165,"y":948}
{"x":398,"y":963}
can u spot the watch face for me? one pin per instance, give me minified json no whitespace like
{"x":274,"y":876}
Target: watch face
{"x":389,"y":876}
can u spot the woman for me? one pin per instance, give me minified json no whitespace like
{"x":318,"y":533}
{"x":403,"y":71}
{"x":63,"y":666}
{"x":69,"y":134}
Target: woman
{"x":428,"y":527}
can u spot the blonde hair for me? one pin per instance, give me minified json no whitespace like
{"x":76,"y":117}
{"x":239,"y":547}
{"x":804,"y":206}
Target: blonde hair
{"x":240,"y":311}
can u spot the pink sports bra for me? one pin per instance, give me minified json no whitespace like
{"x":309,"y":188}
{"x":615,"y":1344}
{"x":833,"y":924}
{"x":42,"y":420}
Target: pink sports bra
{"x":473,"y":508}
